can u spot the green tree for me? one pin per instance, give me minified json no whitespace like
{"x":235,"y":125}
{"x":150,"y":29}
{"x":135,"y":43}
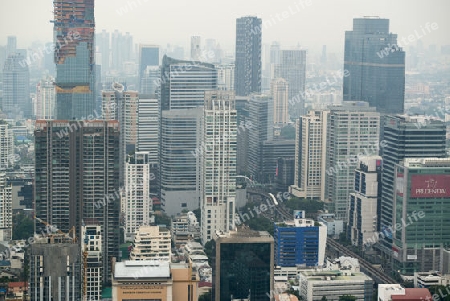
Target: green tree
{"x":324,"y":298}
{"x":205,"y":297}
{"x":440,"y":290}
{"x":163,"y":219}
{"x":23,"y":226}
{"x":347,"y":298}
{"x":288,"y":132}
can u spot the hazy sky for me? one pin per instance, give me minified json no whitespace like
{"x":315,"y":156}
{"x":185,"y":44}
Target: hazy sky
{"x":310,"y":23}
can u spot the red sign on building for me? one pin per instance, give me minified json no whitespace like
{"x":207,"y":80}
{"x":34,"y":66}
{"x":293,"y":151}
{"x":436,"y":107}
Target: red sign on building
{"x":430,"y":186}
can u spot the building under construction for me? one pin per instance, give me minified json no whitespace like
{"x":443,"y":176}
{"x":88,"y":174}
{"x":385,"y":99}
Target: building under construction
{"x":74,"y":29}
{"x":55,"y":267}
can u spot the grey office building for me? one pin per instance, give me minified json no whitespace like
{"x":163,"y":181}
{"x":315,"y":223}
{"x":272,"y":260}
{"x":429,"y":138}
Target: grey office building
{"x":248,"y":56}
{"x":376,"y":66}
{"x":182,"y":96}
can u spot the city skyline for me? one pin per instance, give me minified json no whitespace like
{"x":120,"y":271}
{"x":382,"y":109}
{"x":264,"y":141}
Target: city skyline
{"x":314,"y":21}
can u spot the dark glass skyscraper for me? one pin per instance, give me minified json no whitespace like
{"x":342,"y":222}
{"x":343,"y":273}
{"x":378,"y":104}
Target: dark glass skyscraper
{"x":74,"y":28}
{"x":244,"y":265}
{"x":376,"y":66}
{"x":248,"y":56}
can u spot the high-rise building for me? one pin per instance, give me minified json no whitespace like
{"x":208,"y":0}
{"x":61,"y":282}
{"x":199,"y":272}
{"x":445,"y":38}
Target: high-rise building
{"x":183,"y":86}
{"x":244,"y":125}
{"x":218,"y":163}
{"x":136,"y":202}
{"x":272,"y":150}
{"x":422,"y":208}
{"x":5,"y":208}
{"x":180,"y":155}
{"x":310,"y":155}
{"x":248,"y":56}
{"x":122,"y":105}
{"x":196,"y":48}
{"x":365,"y":201}
{"x":74,"y":29}
{"x":16,"y":101}
{"x":78,"y":160}
{"x":375,"y":64}
{"x":121,"y":50}
{"x":260,"y":119}
{"x":148,"y":127}
{"x":55,"y":270}
{"x":279,"y":89}
{"x":45,"y":99}
{"x":292,"y":68}
{"x":244,"y":265}
{"x":148,"y":57}
{"x":150,"y":80}
{"x":183,"y":83}
{"x":274,"y":58}
{"x":103,"y":43}
{"x":152,"y":243}
{"x":92,"y":261}
{"x":353,"y":130}
{"x":301,"y":241}
{"x":405,"y":137}
{"x":11,"y":45}
{"x":225,"y":76}
{"x":6,"y":146}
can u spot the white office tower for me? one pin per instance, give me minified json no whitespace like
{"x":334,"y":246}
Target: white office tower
{"x":362,"y":212}
{"x":7,"y":158}
{"x":279,"y":89}
{"x":92,"y":269}
{"x":310,"y":155}
{"x":136,"y":202}
{"x":152,"y":243}
{"x":5,"y":209}
{"x":148,"y":127}
{"x":45,"y":99}
{"x":196,"y":50}
{"x":218,"y":163}
{"x":225,"y":76}
{"x":353,"y":130}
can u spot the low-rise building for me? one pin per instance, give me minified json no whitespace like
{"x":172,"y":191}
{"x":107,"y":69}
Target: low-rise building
{"x":151,"y":243}
{"x":393,"y":292}
{"x":153,"y":280}
{"x":427,"y":279}
{"x":340,"y":277}
{"x":301,"y":241}
{"x":334,"y":226}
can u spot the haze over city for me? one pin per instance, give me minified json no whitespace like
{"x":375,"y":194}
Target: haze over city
{"x":311,"y":23}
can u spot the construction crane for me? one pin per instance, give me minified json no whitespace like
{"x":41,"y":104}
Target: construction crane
{"x":50,"y":229}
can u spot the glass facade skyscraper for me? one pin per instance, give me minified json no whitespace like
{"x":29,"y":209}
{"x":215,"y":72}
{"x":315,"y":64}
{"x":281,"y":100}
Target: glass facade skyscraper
{"x":74,"y":29}
{"x":376,"y":66}
{"x":244,"y":265}
{"x":405,"y":137}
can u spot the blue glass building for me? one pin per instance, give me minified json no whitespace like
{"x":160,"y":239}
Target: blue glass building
{"x":301,"y":241}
